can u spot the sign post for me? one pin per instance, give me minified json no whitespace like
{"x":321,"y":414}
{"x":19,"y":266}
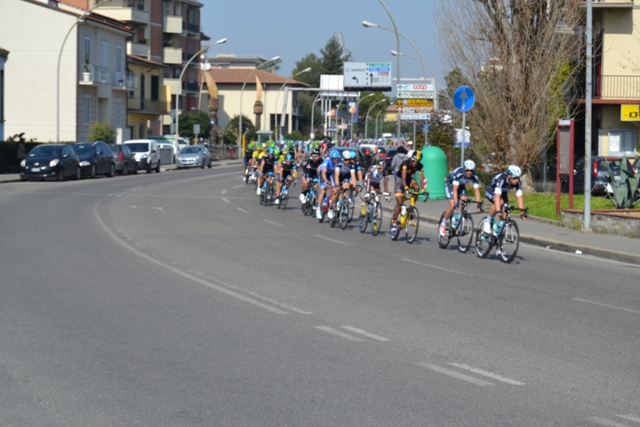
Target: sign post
{"x":463,"y":99}
{"x":564,"y":160}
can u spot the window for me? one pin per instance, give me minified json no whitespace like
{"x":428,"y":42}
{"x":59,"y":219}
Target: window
{"x":622,"y":142}
{"x":119,"y":59}
{"x":155,"y":87}
{"x":167,"y":8}
{"x":193,"y":16}
{"x":118,"y":113}
{"x":1,"y":96}
{"x":105,"y":54}
{"x":140,"y":4}
{"x":87,"y":50}
{"x":85,"y":110}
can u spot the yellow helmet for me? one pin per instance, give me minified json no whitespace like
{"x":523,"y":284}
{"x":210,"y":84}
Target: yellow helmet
{"x":417,"y":156}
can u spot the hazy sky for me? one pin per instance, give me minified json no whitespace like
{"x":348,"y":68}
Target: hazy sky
{"x":294,"y":28}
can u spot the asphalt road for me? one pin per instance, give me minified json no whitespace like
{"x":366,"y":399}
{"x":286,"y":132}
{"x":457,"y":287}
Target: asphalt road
{"x":177,"y":300}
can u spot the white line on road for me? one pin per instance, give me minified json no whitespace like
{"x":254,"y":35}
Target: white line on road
{"x":331,"y":240}
{"x":606,"y":305}
{"x":242,"y":210}
{"x":455,"y":374}
{"x":224,"y":191}
{"x":238,"y":186}
{"x":434,"y":267}
{"x":487,"y":374}
{"x":606,"y":422}
{"x":365,"y":333}
{"x":274,"y":223}
{"x":339,"y":334}
{"x":226,"y":200}
{"x":633,"y":418}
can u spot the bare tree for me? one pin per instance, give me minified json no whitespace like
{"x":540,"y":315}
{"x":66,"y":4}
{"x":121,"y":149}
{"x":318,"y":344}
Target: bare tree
{"x":515,"y":55}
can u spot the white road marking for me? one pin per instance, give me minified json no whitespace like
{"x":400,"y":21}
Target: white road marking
{"x":331,"y":240}
{"x":434,"y":267}
{"x":487,"y":374}
{"x":455,"y":374}
{"x":238,"y":186}
{"x":365,"y":333}
{"x":224,"y":191}
{"x":158,"y":208}
{"x":339,"y":334}
{"x":274,"y":223}
{"x":272,"y":301}
{"x":606,"y":305}
{"x":633,"y":418}
{"x":606,"y":422}
{"x":225,"y":199}
{"x":242,"y":210}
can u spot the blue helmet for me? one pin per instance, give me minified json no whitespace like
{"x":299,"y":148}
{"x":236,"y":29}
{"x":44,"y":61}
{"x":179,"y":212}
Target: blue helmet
{"x":334,"y":154}
{"x":289,"y":157}
{"x":270,"y":150}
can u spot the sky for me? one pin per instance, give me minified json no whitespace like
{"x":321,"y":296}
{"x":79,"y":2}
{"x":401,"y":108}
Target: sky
{"x":292,"y":29}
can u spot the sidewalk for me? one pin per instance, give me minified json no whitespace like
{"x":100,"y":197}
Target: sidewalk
{"x":532,"y":231}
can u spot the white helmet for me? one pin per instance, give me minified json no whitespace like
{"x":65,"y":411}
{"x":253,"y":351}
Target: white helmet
{"x":514,"y":171}
{"x":346,"y":154}
{"x":469,"y":165}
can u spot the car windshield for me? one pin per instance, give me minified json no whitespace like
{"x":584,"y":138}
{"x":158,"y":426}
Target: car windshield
{"x":613,"y":163}
{"x":190,"y":150}
{"x":83,"y":149}
{"x":45,"y":151}
{"x":139,"y":147}
{"x":115,"y":148}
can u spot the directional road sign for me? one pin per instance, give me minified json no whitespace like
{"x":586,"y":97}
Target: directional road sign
{"x":464,"y":98}
{"x":370,"y":76}
{"x":414,"y":102}
{"x":415,"y":94}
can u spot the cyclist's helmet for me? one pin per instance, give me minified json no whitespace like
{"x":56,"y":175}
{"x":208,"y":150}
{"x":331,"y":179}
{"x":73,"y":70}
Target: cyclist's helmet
{"x":514,"y":171}
{"x":346,"y":155}
{"x":276,"y":151}
{"x":469,"y":165}
{"x":416,"y":156}
{"x":354,"y":155}
{"x":382,"y":164}
{"x":269,"y":150}
{"x":289,"y":157}
{"x":315,"y":152}
{"x":334,"y":154}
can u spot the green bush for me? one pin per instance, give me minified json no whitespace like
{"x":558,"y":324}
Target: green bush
{"x":102,"y":131}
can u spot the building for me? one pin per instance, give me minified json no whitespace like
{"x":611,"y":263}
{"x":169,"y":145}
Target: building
{"x":67,"y":71}
{"x":4,"y":54}
{"x":616,"y":78}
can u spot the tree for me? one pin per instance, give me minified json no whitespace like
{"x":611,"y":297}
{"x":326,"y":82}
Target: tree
{"x":101,"y":131}
{"x":230,"y":134}
{"x":312,"y":77}
{"x":333,"y":57}
{"x":508,"y":52}
{"x":188,"y":119}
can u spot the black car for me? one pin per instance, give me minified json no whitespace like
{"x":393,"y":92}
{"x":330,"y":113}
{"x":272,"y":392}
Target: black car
{"x":50,"y":161}
{"x":123,"y":157}
{"x":388,"y":157}
{"x":96,"y":158}
{"x":599,"y":173}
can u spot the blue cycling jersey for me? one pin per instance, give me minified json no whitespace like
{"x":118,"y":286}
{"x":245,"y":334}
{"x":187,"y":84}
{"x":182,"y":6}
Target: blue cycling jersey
{"x":327,"y":166}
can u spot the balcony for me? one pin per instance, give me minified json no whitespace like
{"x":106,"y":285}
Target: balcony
{"x":611,"y":89}
{"x":172,"y":55}
{"x":147,"y":105}
{"x":124,"y":81}
{"x":138,"y":49}
{"x":173,"y":24}
{"x":605,"y":4}
{"x":95,"y":75}
{"x":174,"y":84}
{"x":126,"y":14}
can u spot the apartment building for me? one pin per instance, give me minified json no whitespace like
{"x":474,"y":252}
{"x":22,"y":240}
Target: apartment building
{"x":616,"y":77}
{"x":67,"y":71}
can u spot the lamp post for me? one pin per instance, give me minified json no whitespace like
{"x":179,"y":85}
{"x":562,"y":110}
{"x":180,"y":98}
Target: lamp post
{"x":284,"y":102}
{"x":80,"y":19}
{"x":313,"y":107}
{"x":178,"y":95}
{"x":587,"y":121}
{"x":275,"y":58}
{"x":395,"y":30}
{"x":354,"y":112}
{"x":366,"y":120}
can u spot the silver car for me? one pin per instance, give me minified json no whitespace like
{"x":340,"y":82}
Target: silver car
{"x":194,"y":156}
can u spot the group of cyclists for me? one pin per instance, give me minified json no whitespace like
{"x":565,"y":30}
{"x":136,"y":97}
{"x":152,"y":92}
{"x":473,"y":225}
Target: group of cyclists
{"x":331,"y":172}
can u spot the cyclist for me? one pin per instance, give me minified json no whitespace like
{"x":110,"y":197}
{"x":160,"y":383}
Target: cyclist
{"x":497,"y":192}
{"x":375,"y":174}
{"x":455,"y":189}
{"x":310,"y":170}
{"x":327,"y":177}
{"x":247,"y":159}
{"x":356,"y":164}
{"x":345,"y":176}
{"x":286,"y":173}
{"x":267,"y":169}
{"x":406,"y":181}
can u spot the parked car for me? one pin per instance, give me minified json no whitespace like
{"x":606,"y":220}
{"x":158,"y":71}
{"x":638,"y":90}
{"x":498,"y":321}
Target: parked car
{"x":50,"y":161}
{"x":194,"y":156}
{"x":96,"y":158}
{"x":125,"y":162}
{"x":146,"y":153}
{"x":599,"y":173}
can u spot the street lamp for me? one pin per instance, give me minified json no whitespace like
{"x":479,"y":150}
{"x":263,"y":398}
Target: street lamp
{"x":178,"y":95}
{"x":313,"y":107}
{"x":366,"y":120}
{"x":80,"y":19}
{"x":284,"y":102}
{"x":354,"y":112}
{"x":395,"y":29}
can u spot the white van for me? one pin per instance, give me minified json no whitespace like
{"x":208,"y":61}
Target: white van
{"x":146,"y":152}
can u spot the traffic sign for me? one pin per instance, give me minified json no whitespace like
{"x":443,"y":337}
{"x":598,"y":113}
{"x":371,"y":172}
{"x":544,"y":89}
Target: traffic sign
{"x":415,"y":102}
{"x":370,"y":76}
{"x":414,"y":116}
{"x":463,"y":98}
{"x":417,"y":87}
{"x":629,"y":113}
{"x":414,"y":110}
{"x":415,"y":94}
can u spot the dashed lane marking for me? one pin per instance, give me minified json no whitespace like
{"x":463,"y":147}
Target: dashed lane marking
{"x":455,"y":374}
{"x":487,"y":374}
{"x":339,"y":333}
{"x":365,"y":333}
{"x":606,"y":305}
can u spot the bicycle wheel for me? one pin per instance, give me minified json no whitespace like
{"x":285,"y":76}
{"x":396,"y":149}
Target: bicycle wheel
{"x":483,"y":241}
{"x":351,"y":207}
{"x":333,"y":221}
{"x":443,"y":241}
{"x":343,"y":214}
{"x":363,"y":222}
{"x":376,"y":218}
{"x":465,"y":233}
{"x":411,"y":224}
{"x":284,"y":198}
{"x":508,"y":242}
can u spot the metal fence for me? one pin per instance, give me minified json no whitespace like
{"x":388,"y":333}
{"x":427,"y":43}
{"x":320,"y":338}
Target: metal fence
{"x":223,"y":152}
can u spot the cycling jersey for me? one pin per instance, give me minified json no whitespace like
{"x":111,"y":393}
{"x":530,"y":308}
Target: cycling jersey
{"x":329,"y":168}
{"x":345,"y":171}
{"x":268,"y":163}
{"x":374,"y":176}
{"x":311,"y":167}
{"x":287,"y":168}
{"x":406,"y":166}
{"x":500,"y":185}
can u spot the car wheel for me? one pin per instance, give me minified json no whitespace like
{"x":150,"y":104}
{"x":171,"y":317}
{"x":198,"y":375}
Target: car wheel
{"x":158,"y":167}
{"x":209,"y":165}
{"x":112,"y":171}
{"x":92,"y":172}
{"x":78,"y":174}
{"x":60,"y":175}
{"x":135,"y":169}
{"x":125,"y":169}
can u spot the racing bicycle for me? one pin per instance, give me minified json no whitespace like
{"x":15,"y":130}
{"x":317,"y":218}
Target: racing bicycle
{"x":460,"y":226}
{"x":372,"y":213}
{"x":409,"y":218}
{"x":507,"y":240}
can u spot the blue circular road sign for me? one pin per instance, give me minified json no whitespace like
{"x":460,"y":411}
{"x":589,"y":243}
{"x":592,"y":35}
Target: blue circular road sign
{"x":464,"y":98}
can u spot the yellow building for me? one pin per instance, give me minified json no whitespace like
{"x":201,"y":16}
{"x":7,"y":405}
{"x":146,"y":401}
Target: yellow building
{"x":148,"y":100}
